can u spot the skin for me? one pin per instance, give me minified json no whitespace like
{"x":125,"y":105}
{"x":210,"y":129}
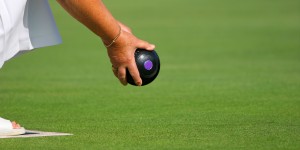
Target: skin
{"x":15,"y":125}
{"x":95,"y":16}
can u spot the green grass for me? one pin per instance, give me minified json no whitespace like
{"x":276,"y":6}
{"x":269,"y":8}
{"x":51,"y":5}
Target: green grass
{"x":230,"y":79}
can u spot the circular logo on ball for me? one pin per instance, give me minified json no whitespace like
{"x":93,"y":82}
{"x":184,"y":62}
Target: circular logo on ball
{"x":148,"y":65}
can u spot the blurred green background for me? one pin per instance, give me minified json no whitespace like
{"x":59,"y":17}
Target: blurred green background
{"x":230,"y":79}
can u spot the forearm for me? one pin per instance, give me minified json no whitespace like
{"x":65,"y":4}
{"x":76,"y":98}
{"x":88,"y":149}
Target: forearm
{"x":94,"y":15}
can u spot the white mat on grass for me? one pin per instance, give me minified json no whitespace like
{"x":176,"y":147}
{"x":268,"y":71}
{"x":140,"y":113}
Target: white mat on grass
{"x":33,"y":133}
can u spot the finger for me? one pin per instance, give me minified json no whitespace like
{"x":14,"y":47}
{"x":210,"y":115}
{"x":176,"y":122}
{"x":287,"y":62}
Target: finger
{"x":115,"y":71}
{"x":135,"y":74}
{"x":122,"y":75}
{"x":145,"y":45}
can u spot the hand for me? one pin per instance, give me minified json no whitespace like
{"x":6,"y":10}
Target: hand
{"x":121,"y":55}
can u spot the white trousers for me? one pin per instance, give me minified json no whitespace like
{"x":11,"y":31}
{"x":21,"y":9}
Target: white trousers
{"x":25,"y":25}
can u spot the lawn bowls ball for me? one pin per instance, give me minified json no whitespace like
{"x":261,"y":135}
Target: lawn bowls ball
{"x":148,"y":65}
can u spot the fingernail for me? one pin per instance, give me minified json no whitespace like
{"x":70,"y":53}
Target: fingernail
{"x":138,"y":84}
{"x":152,"y":46}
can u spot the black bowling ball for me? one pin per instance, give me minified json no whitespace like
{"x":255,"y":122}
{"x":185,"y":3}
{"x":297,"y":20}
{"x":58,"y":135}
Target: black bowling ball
{"x":148,"y":65}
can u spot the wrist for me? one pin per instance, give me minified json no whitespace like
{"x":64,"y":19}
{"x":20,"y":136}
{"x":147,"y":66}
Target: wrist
{"x":109,"y":43}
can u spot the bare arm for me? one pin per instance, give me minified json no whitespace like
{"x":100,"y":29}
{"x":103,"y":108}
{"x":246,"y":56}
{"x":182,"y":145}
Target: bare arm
{"x":94,"y":15}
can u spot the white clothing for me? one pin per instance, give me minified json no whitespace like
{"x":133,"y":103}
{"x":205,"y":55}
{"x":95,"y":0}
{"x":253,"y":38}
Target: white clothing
{"x":5,"y":124}
{"x":25,"y":25}
{"x":6,"y":128}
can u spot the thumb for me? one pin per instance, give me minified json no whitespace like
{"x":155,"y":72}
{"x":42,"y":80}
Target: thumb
{"x":145,"y":45}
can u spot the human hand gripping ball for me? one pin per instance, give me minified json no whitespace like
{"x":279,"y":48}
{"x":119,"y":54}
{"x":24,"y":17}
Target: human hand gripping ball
{"x":121,"y":54}
{"x":148,"y":64}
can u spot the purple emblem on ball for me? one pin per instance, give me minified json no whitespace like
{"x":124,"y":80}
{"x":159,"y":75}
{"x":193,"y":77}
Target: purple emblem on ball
{"x":148,"y":65}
